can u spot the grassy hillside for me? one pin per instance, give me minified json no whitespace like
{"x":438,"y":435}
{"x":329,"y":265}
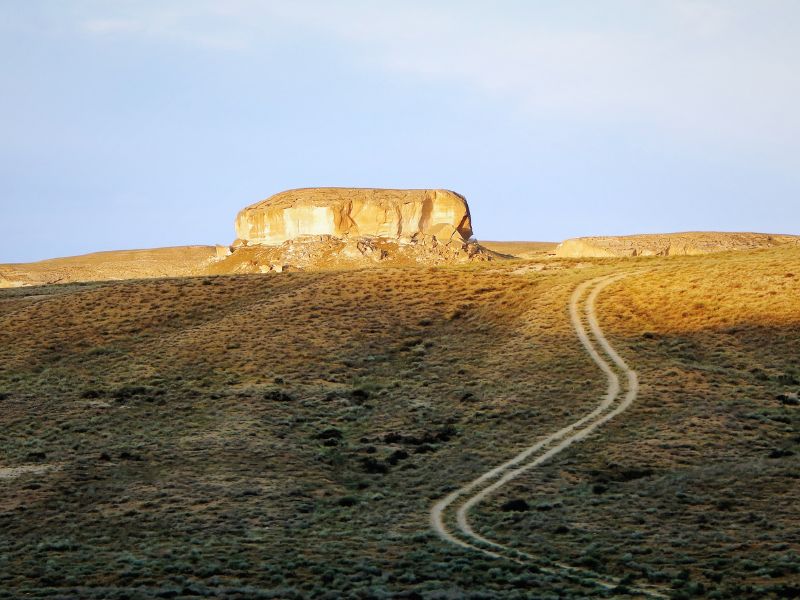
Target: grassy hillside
{"x":522,"y":249}
{"x":179,"y":261}
{"x":284,"y":435}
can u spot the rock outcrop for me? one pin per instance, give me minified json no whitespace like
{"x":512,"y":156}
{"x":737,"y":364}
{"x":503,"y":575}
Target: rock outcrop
{"x":669,"y":244}
{"x":306,"y":229}
{"x":354,"y":212}
{"x":325,"y":252}
{"x":322,"y":228}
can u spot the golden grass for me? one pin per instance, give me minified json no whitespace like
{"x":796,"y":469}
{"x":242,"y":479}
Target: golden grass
{"x":697,"y":484}
{"x":179,"y":261}
{"x":522,"y":249}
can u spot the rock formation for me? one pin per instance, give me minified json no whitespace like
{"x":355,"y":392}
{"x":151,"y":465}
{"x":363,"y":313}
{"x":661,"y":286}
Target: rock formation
{"x":354,"y":212}
{"x":322,"y":228}
{"x":669,"y":244}
{"x":330,"y":252}
{"x":314,"y":228}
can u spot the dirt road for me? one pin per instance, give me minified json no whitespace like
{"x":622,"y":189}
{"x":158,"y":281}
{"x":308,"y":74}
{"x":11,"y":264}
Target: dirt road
{"x":450,"y":515}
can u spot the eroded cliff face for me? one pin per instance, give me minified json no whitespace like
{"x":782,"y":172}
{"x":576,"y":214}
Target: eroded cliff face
{"x":355,"y":212}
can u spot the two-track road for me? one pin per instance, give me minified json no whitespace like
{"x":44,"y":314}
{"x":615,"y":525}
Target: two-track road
{"x":450,"y":516}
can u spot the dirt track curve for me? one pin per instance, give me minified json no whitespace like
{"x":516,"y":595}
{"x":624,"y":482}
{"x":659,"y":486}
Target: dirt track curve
{"x":450,"y":515}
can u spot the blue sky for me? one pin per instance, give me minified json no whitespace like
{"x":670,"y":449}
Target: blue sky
{"x":137,"y":124}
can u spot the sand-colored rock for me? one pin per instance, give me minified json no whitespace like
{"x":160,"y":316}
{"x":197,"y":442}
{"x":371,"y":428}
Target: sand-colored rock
{"x":669,"y":244}
{"x":356,"y":212}
{"x":323,"y":252}
{"x":316,"y":228}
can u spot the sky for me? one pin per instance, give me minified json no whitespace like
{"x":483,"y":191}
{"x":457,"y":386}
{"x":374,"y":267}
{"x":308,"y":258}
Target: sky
{"x":134,"y":124}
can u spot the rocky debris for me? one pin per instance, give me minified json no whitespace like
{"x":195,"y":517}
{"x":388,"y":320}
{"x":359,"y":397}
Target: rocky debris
{"x":354,"y":212}
{"x":329,"y":252}
{"x":221,"y":251}
{"x":670,"y":244}
{"x":10,"y":283}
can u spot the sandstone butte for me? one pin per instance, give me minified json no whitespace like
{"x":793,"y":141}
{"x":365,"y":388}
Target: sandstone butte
{"x":354,"y":212}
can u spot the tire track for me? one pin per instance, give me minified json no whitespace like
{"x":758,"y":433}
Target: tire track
{"x":468,"y":496}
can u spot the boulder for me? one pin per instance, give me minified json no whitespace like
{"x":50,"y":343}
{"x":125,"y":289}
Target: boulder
{"x":354,"y":212}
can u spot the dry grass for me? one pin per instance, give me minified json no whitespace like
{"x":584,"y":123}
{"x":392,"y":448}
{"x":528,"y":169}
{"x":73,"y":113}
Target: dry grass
{"x":178,"y":261}
{"x":284,"y":435}
{"x":697,"y":485}
{"x":522,"y":249}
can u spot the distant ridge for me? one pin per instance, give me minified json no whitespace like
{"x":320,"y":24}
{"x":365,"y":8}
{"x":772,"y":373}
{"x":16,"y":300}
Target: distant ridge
{"x":670,"y":244}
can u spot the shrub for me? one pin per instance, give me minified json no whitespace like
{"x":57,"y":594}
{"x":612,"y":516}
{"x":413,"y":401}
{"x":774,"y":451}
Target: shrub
{"x":129,"y":391}
{"x":277,"y":395}
{"x":371,"y":465}
{"x":397,"y":456}
{"x":516,"y":505}
{"x":329,"y":434}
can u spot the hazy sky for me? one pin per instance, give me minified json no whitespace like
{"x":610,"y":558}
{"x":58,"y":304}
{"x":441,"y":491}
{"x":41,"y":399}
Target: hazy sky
{"x":132,"y":124}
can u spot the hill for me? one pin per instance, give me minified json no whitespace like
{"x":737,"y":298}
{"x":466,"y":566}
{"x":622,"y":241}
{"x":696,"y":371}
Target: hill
{"x":302,"y":229}
{"x":671,"y":244}
{"x":522,"y":249}
{"x":328,"y":252}
{"x":286,"y":435}
{"x":113,"y":265}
